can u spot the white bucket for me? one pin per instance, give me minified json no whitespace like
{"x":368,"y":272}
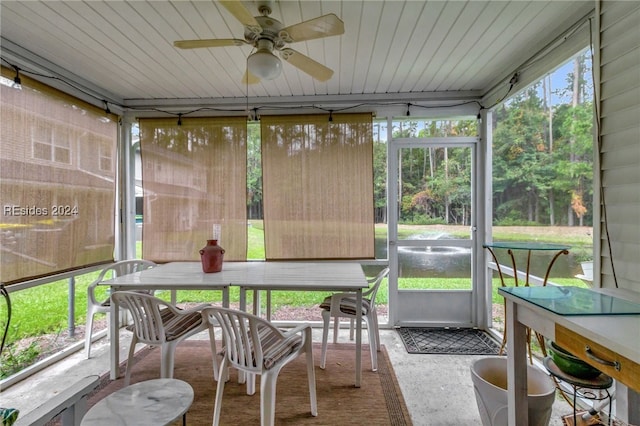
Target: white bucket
{"x":489,"y":377}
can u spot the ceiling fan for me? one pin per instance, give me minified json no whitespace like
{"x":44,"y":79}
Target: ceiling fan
{"x":267,"y":35}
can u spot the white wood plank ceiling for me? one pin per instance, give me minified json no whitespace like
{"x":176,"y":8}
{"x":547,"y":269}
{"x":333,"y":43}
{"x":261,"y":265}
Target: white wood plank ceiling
{"x":392,"y":49}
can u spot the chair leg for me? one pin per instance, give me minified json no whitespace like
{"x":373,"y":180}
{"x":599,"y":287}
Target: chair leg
{"x":325,"y":336}
{"x":268,"y":397}
{"x":336,"y":327}
{"x":214,"y":354}
{"x":132,"y":347}
{"x":311,"y":376}
{"x":373,"y":343}
{"x":219,"y":390}
{"x":166,"y":361}
{"x":88,"y":331}
{"x":251,"y":383}
{"x":374,"y":316}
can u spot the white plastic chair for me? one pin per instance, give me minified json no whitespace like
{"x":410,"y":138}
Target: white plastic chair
{"x":343,"y":305}
{"x":95,"y":306}
{"x":158,"y":323}
{"x":254,"y":346}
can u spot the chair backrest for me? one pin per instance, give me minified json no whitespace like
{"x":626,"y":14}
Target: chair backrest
{"x":124,"y":267}
{"x":117,"y":269}
{"x":245,"y":337}
{"x":375,"y":285}
{"x":145,"y":310}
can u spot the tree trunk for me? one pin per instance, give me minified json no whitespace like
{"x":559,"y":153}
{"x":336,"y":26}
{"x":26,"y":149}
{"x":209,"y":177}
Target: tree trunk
{"x":549,"y":106}
{"x":570,"y":221}
{"x":530,"y":207}
{"x":572,"y":141}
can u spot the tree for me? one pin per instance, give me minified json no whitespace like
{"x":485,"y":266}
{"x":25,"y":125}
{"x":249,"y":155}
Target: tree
{"x":574,"y":159}
{"x":521,"y":158}
{"x":254,"y":172}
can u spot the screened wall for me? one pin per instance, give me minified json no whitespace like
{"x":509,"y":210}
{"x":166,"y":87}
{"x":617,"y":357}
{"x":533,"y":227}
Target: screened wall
{"x":57,"y":181}
{"x":194,"y":182}
{"x":318,"y":186}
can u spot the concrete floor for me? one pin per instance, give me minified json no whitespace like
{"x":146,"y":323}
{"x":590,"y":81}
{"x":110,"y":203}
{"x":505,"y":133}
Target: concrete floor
{"x":437,"y":388}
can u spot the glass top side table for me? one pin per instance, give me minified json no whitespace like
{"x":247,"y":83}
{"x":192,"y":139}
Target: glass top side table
{"x":511,"y":246}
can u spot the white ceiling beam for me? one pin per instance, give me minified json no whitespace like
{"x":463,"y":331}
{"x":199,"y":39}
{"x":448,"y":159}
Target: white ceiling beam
{"x":335,"y":100}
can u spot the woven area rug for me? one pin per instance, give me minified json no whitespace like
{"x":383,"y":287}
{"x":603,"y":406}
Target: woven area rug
{"x":459,"y":341}
{"x":378,"y":401}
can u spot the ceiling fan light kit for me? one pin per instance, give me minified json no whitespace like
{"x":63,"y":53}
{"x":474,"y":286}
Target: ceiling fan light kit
{"x":267,"y":34}
{"x":263,"y":63}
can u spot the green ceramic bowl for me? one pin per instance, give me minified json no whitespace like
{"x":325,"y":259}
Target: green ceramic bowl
{"x":570,"y":364}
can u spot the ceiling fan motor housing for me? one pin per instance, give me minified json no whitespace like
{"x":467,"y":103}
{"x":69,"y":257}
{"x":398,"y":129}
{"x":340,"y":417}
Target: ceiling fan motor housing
{"x":270,"y":29}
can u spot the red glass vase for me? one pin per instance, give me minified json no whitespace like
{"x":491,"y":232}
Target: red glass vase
{"x":211,"y":256}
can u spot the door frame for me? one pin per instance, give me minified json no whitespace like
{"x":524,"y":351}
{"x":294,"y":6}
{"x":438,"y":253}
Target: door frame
{"x":403,"y":303}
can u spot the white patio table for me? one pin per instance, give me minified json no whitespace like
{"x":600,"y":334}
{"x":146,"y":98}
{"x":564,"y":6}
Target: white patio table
{"x":286,"y":276}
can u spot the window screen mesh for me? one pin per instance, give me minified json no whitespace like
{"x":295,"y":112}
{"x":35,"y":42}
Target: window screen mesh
{"x":194,"y":179}
{"x":318,"y":186}
{"x":57,"y":181}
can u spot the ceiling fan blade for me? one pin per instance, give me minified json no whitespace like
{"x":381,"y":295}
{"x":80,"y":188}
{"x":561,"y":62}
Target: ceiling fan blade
{"x":242,"y":14}
{"x":322,"y":26}
{"x":306,"y":64}
{"x":212,"y":42}
{"x":249,"y":78}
